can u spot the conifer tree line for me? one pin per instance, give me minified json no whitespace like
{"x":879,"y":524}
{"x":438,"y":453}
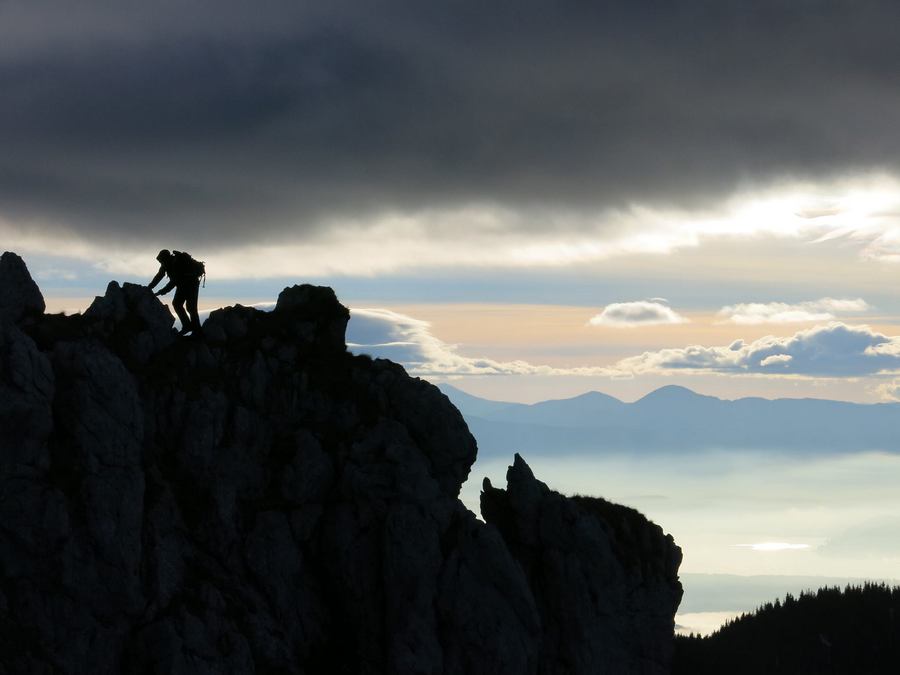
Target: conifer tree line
{"x":831,"y":630}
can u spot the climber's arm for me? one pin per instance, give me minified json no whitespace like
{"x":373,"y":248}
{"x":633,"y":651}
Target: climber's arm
{"x":157,"y":278}
{"x":165,"y":289}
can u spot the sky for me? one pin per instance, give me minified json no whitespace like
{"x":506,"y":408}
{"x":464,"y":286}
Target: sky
{"x":530,"y":200}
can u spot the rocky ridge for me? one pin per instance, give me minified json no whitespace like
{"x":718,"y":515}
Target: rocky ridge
{"x":260,"y":500}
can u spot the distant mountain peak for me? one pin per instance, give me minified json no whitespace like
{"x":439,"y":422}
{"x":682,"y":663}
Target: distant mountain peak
{"x":673,"y":392}
{"x":594,"y":395}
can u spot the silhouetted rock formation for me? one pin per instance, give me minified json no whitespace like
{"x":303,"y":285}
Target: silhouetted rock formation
{"x":19,"y":295}
{"x":595,"y":569}
{"x":261,"y":500}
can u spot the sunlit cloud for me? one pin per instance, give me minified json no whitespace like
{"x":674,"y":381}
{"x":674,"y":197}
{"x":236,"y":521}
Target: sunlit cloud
{"x":833,"y":350}
{"x":638,"y":313}
{"x":864,"y":213}
{"x":889,"y":391}
{"x":824,"y":309}
{"x":776,"y":359}
{"x":382,"y":333}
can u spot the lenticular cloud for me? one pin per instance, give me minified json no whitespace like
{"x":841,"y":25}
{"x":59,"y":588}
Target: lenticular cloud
{"x":639,"y":313}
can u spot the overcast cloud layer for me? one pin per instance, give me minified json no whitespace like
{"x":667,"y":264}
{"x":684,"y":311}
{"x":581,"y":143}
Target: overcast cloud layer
{"x":222,"y":123}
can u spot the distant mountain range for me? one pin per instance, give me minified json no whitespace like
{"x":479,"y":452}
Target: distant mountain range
{"x":676,"y":418}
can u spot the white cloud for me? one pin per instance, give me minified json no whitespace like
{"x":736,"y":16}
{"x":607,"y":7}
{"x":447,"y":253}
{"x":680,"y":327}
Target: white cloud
{"x":824,"y":309}
{"x":834,"y":350}
{"x":639,"y":313}
{"x":889,"y":391}
{"x":382,"y":333}
{"x":776,"y":359}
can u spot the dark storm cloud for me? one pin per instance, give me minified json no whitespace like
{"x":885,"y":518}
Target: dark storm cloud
{"x":246,"y":120}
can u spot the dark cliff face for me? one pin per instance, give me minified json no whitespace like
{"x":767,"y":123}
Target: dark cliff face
{"x":594,"y":568}
{"x":260,"y":500}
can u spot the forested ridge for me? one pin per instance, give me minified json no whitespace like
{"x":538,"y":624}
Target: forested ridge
{"x":832,"y":630}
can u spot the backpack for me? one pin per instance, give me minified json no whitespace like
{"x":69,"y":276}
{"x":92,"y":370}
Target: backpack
{"x":187,"y":266}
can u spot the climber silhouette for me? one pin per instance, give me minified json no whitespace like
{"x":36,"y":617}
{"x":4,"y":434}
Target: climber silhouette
{"x":184,"y":276}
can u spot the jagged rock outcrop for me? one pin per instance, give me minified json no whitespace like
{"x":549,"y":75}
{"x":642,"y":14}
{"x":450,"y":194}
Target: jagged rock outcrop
{"x":258,"y":500}
{"x":20,"y":297}
{"x":595,"y":569}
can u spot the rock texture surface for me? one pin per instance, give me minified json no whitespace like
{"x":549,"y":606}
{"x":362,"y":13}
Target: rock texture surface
{"x":20,"y":297}
{"x":595,"y":569}
{"x":260,"y":500}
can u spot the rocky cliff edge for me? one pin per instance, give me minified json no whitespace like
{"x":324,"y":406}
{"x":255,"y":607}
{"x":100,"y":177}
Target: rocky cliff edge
{"x":260,"y":500}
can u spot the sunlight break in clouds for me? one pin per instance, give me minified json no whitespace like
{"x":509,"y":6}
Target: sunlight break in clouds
{"x":494,"y":235}
{"x":639,"y":313}
{"x":824,"y":309}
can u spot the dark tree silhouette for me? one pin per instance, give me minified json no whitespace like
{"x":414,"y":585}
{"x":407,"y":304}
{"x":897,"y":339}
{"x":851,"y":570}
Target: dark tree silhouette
{"x":854,"y":630}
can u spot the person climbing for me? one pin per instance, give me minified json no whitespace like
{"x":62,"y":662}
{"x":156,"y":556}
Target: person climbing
{"x":184,"y":276}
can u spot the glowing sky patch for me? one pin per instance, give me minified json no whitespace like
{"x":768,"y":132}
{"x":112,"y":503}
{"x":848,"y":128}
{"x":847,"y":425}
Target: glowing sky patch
{"x":775,"y":546}
{"x":862,"y":214}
